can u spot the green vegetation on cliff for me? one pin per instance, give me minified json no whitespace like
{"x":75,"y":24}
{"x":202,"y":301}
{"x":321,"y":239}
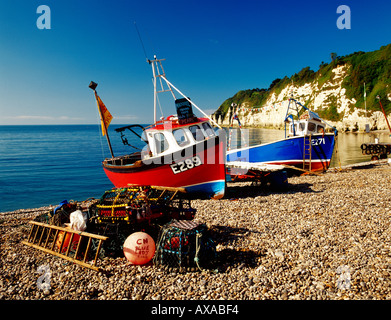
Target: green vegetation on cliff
{"x":373,"y":68}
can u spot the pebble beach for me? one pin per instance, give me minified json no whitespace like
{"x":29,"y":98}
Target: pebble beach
{"x":326,"y":237}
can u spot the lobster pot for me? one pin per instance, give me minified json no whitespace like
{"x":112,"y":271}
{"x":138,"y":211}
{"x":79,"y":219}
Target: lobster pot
{"x":141,"y":203}
{"x":184,"y":245}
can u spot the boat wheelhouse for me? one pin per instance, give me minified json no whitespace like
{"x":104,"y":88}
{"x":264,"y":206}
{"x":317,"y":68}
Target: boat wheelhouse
{"x":306,"y":125}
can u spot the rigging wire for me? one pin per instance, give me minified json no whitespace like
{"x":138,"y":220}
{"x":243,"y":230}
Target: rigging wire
{"x":160,"y":107}
{"x":146,"y":57}
{"x":141,"y":41}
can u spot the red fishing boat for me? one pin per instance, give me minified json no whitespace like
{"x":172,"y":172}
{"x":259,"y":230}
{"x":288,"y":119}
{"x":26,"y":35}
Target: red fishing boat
{"x":181,"y":150}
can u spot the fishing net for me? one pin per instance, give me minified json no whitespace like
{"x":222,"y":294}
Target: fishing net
{"x":59,"y":215}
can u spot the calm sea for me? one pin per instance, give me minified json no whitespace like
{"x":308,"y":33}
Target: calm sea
{"x":43,"y":165}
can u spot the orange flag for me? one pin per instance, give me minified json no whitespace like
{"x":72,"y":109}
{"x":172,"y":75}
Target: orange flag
{"x":105,"y":116}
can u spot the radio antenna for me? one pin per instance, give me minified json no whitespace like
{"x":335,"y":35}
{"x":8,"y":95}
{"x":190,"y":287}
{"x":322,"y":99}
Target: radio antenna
{"x":142,"y":44}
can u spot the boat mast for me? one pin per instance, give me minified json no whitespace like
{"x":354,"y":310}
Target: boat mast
{"x":384,"y":112}
{"x":93,"y":86}
{"x":366,"y":116}
{"x":365,"y":101}
{"x":154,"y":93}
{"x":158,"y":72}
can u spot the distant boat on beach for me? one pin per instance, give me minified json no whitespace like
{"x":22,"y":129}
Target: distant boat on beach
{"x":306,"y":146}
{"x":181,"y":151}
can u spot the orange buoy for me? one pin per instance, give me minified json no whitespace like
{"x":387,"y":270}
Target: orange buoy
{"x":139,"y":248}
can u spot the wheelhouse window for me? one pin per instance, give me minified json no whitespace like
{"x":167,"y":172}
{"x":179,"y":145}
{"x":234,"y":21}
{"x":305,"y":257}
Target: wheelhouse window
{"x":208,"y":129}
{"x":293,"y":128}
{"x":311,"y":126}
{"x":320,"y":129}
{"x":180,"y":137}
{"x":302,"y":126}
{"x":160,"y":142}
{"x":196,"y":132}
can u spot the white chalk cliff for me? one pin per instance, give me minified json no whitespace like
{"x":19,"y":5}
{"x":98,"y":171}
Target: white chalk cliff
{"x":317,"y":96}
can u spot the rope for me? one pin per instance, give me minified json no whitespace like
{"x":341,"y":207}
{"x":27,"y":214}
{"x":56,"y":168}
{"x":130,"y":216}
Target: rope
{"x":160,"y":107}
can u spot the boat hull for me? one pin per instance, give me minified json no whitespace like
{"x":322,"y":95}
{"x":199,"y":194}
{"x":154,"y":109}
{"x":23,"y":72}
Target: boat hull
{"x":290,"y":152}
{"x":200,"y":169}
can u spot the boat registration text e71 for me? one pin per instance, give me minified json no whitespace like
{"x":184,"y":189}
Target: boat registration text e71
{"x":318,"y":141}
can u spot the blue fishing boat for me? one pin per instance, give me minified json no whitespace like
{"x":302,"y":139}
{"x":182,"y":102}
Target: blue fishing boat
{"x":306,"y":146}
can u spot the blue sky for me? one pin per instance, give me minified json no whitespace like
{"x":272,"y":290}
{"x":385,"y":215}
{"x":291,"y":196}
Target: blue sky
{"x":212,"y":48}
